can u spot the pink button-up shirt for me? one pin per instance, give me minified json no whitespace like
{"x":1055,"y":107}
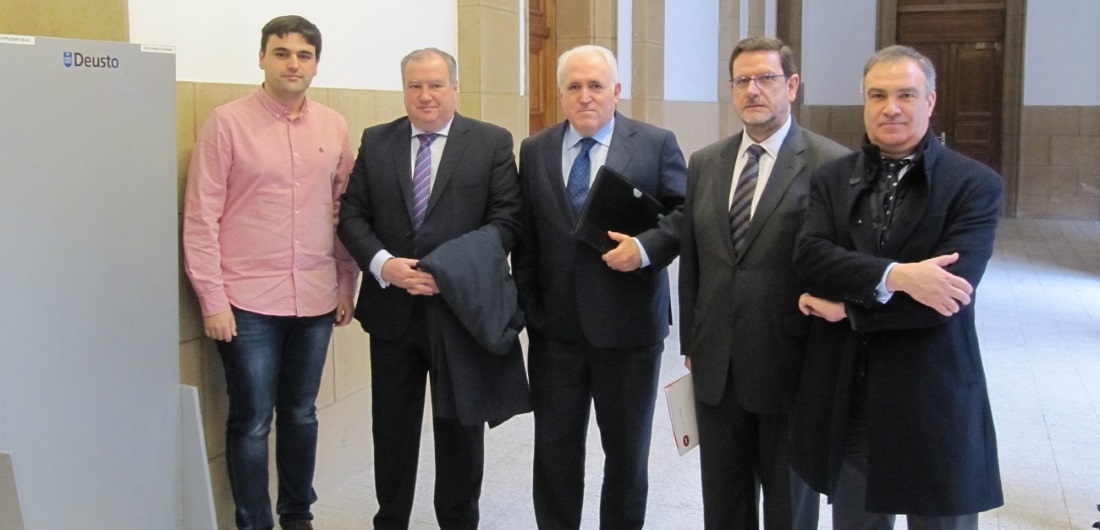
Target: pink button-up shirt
{"x":263,"y":199}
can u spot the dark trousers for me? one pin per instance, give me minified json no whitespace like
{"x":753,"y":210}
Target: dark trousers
{"x":274,"y":363}
{"x":742,"y":453}
{"x":566,"y":379}
{"x":398,"y":372}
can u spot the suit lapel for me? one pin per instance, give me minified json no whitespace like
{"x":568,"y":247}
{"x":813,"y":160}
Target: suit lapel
{"x":399,"y":148}
{"x":719,"y":199}
{"x":551,"y":161}
{"x":788,"y":164}
{"x":458,"y":140}
{"x":623,"y":143}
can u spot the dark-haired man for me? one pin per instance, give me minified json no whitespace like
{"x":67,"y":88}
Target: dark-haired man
{"x":259,"y":238}
{"x":893,"y":415}
{"x":741,"y":331}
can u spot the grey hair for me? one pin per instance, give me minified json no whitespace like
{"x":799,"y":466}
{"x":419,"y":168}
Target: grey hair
{"x":424,"y":53}
{"x":898,"y":52}
{"x":608,"y":57}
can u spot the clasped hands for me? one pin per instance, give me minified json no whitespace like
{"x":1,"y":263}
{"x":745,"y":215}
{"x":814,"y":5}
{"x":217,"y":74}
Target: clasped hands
{"x":403,"y":273}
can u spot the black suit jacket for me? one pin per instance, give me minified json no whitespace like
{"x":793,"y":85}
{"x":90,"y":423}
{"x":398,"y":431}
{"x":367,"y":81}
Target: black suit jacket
{"x":475,"y":185}
{"x":566,"y":289}
{"x":743,"y":310}
{"x":931,"y":446}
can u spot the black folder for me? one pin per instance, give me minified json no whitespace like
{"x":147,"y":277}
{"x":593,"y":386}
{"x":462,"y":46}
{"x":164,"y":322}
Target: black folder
{"x":615,"y":205}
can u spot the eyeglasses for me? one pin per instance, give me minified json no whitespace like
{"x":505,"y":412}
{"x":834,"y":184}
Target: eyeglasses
{"x":763,"y":81}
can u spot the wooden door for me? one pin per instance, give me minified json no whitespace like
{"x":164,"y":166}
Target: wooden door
{"x":965,"y":41}
{"x":541,"y":65}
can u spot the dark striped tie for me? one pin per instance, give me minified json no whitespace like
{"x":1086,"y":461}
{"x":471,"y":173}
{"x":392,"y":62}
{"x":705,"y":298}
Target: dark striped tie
{"x":741,"y":207}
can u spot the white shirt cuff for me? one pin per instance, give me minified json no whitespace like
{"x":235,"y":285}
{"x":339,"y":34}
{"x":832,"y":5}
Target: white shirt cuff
{"x":881,"y":293}
{"x":376,"y":264}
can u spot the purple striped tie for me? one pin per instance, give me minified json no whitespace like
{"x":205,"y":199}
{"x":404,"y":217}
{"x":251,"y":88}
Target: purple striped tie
{"x":741,"y":206}
{"x":422,"y":179}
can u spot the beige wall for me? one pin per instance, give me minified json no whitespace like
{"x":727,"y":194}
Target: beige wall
{"x":842,"y":123}
{"x":489,"y":77}
{"x":1060,"y":163}
{"x":74,"y":19}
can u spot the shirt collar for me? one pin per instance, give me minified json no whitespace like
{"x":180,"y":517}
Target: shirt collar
{"x":277,"y":108}
{"x":771,"y":145}
{"x":602,"y":136}
{"x":444,"y":131}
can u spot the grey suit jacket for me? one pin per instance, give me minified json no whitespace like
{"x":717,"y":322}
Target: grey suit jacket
{"x":740,"y":313}
{"x":566,"y":289}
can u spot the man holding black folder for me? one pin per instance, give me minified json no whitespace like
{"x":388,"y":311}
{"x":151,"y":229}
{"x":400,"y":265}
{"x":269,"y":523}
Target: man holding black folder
{"x":596,"y":321}
{"x":740,"y":325}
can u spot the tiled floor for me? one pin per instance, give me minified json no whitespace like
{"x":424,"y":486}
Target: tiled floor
{"x":1039,"y":323}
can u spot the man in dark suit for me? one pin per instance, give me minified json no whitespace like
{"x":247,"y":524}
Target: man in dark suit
{"x":596,"y":322}
{"x":418,"y":182}
{"x":893,"y":415}
{"x":741,"y":331}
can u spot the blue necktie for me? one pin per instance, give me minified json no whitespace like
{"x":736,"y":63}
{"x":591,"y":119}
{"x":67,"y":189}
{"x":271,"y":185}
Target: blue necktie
{"x":422,"y":179}
{"x":578,"y":175}
{"x":741,"y":206}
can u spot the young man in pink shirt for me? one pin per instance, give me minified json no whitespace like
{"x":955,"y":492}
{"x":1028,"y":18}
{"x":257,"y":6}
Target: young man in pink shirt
{"x":259,"y":238}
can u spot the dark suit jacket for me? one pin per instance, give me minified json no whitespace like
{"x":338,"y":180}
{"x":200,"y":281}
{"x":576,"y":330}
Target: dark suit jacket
{"x":743,"y":310}
{"x":475,"y":334}
{"x":931,"y":447}
{"x":566,"y":289}
{"x":475,"y":185}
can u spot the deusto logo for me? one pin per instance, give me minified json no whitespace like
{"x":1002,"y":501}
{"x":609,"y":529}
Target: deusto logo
{"x":78,"y":59}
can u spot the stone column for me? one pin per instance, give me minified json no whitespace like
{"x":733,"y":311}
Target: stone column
{"x":489,"y":48}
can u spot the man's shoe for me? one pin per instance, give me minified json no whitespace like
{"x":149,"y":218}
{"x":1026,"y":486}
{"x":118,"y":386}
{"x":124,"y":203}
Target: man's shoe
{"x":297,"y":525}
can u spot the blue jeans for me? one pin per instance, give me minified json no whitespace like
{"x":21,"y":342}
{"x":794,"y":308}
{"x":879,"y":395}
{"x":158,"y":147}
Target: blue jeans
{"x":274,"y":363}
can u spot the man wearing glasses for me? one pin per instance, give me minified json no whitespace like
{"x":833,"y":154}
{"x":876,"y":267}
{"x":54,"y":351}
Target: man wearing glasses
{"x":740,"y":328}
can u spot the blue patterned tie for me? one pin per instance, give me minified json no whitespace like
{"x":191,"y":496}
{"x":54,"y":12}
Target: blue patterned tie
{"x":578,"y":175}
{"x":422,"y":179}
{"x":741,"y":207}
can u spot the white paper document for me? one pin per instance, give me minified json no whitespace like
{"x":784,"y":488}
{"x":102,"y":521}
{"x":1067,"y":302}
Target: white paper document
{"x":680,"y":395}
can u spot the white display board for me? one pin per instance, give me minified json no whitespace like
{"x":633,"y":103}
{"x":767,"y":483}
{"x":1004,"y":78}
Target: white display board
{"x":89,"y":353}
